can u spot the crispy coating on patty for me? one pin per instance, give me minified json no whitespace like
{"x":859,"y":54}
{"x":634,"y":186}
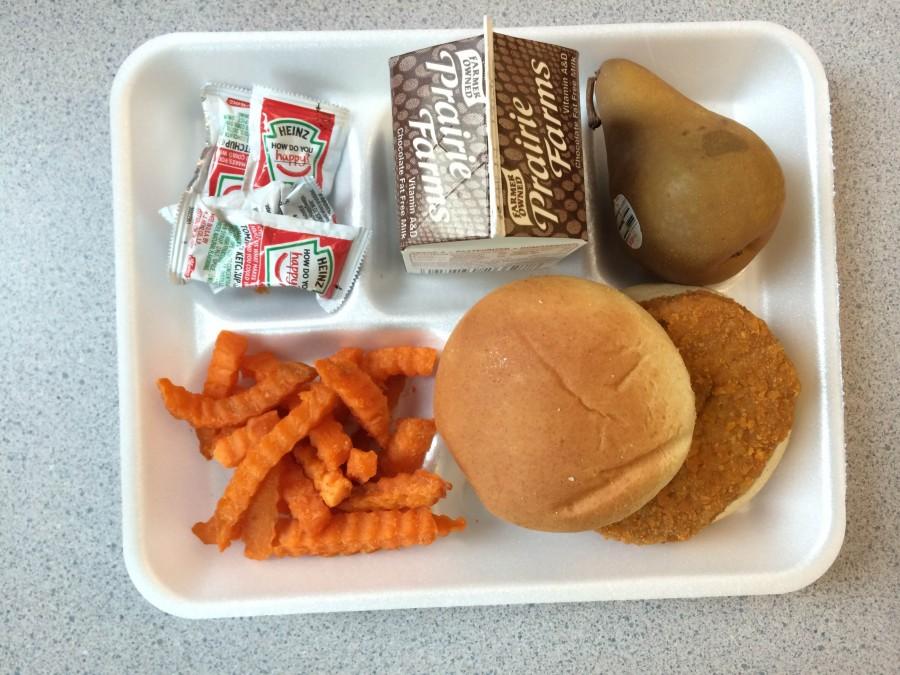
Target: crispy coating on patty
{"x":745,"y":389}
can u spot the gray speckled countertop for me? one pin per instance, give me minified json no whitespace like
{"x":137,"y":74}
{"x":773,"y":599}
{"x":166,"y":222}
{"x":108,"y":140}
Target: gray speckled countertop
{"x":67,"y":603}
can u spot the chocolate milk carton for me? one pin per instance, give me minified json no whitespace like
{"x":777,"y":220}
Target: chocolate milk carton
{"x":488,"y":154}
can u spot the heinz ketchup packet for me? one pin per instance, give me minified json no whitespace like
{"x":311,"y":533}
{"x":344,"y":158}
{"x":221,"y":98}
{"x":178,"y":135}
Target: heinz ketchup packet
{"x":233,"y":248}
{"x":292,"y":137}
{"x":227,"y":111}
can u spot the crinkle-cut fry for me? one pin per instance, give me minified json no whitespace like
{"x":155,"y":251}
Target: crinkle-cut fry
{"x":303,"y":500}
{"x":317,"y":403}
{"x":367,"y":531}
{"x":408,"y":446}
{"x":206,"y":439}
{"x":224,"y":365}
{"x":292,"y":400}
{"x":221,"y":379}
{"x":352,"y":354}
{"x":331,"y":443}
{"x":362,"y":465}
{"x":262,"y":515}
{"x":203,"y":411}
{"x":410,"y":361}
{"x":332,"y":484}
{"x":261,"y":364}
{"x":207,"y":531}
{"x":446,"y":525}
{"x":403,"y":491}
{"x":309,"y":373}
{"x":360,"y":394}
{"x":257,"y":365}
{"x":230,"y":449}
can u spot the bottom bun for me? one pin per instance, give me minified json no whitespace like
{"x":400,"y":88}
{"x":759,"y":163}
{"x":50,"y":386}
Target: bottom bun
{"x":764,"y":477}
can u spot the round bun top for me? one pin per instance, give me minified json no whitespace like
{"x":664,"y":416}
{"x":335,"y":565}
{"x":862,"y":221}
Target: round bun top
{"x":565,"y":404}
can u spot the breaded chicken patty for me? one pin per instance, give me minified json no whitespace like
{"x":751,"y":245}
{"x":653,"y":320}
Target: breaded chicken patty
{"x":745,"y":389}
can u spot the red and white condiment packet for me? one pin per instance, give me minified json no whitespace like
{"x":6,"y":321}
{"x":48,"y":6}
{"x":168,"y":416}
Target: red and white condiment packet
{"x":292,"y":137}
{"x":227,"y":112}
{"x":235,"y":248}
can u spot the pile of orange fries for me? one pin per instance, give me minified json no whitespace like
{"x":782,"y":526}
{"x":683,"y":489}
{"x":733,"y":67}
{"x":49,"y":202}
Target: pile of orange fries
{"x":320,"y":466}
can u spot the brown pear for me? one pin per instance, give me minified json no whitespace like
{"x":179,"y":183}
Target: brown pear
{"x":700,"y":193}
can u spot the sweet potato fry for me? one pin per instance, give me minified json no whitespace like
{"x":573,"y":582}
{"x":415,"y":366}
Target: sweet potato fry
{"x":207,"y":531}
{"x":364,"y":532}
{"x":446,"y":525}
{"x":303,"y":500}
{"x":403,"y":491}
{"x":206,"y":440}
{"x":408,"y":446}
{"x":224,"y":365}
{"x":362,"y":465}
{"x":230,"y":449}
{"x":360,"y":394}
{"x":352,"y":354}
{"x":221,"y":378}
{"x":409,"y":361}
{"x":317,"y":403}
{"x":261,"y":364}
{"x":331,"y":443}
{"x":257,"y":365}
{"x":202,"y":411}
{"x":332,"y":485}
{"x":262,"y":515}
{"x":292,"y":400}
{"x":308,"y":372}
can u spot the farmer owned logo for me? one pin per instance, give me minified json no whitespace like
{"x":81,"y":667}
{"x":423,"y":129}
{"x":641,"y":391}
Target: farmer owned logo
{"x":516,"y":196}
{"x":293,"y":148}
{"x":304,"y":264}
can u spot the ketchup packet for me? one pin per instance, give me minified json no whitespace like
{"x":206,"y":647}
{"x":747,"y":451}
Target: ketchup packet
{"x":227,"y":112}
{"x":292,"y":137}
{"x":235,"y":248}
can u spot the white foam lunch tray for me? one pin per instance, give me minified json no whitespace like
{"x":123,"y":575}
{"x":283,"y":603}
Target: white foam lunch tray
{"x":758,"y":73}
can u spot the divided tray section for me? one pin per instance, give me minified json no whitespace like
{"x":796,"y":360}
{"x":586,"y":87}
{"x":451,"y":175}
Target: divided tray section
{"x":760,"y":74}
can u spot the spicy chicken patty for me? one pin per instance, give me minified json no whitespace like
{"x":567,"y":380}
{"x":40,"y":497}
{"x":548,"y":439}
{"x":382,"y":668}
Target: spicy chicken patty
{"x":745,"y":390}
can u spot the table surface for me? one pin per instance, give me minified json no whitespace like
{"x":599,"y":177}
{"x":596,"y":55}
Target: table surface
{"x":68,"y":604}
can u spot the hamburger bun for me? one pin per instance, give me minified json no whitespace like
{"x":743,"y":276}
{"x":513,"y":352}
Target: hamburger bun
{"x":565,"y":404}
{"x":746,"y":390}
{"x":644,"y":292}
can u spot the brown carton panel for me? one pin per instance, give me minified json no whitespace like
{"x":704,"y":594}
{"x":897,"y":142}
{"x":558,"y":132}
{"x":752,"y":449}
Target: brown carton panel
{"x":539,"y":138}
{"x":440,"y":143}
